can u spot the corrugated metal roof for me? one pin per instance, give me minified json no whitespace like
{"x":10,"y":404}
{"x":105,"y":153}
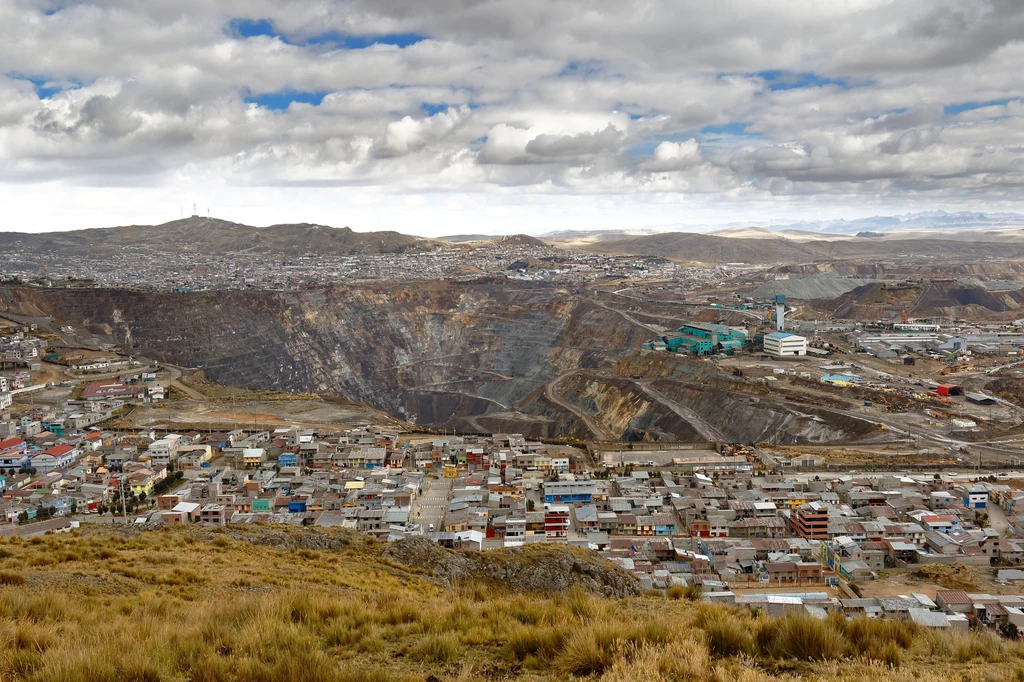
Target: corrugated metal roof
{"x":953,"y":596}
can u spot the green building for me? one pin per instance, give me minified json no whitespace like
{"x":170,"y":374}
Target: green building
{"x":701,"y":338}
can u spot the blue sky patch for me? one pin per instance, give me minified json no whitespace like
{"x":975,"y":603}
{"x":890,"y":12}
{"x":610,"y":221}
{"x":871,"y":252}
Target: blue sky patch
{"x":44,"y":86}
{"x":736,"y":128}
{"x":279,"y":101}
{"x":790,"y":80}
{"x":250,"y":28}
{"x":396,"y":39}
{"x":590,"y":67}
{"x":645,"y":148}
{"x":954,"y":109}
{"x":432,"y":109}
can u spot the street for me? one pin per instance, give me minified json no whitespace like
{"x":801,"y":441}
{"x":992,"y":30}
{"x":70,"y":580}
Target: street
{"x":430,"y":508}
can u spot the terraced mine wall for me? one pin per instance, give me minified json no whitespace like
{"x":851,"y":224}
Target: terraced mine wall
{"x":485,"y":356}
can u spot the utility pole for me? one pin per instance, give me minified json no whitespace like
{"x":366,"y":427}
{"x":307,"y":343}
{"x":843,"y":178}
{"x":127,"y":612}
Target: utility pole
{"x":120,"y":487}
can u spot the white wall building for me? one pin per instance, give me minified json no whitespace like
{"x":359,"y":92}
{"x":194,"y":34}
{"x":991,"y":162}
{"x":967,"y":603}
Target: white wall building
{"x":783,"y":343}
{"x":165,"y":450}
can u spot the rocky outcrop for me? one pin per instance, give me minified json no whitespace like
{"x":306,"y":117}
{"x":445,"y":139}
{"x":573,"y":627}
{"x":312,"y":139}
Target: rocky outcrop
{"x":534,"y":568}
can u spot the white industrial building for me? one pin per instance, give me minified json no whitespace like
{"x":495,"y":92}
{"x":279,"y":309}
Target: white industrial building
{"x":782,"y":344}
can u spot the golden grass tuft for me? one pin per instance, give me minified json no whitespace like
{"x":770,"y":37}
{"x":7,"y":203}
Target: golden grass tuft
{"x":443,"y":649}
{"x":11,"y":578}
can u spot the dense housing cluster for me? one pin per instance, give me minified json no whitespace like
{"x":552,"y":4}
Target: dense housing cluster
{"x":188,"y":271}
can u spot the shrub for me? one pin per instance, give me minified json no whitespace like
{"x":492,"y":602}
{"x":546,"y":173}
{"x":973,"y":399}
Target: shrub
{"x":693,"y":592}
{"x":675,"y":592}
{"x":440,"y":648}
{"x":880,"y":639}
{"x":584,"y":655}
{"x":984,"y":645}
{"x":581,"y":604}
{"x":801,"y":636}
{"x":541,"y":642}
{"x":890,"y":654}
{"x":400,"y":612}
{"x":11,"y":578}
{"x":592,"y":650}
{"x":728,"y":636}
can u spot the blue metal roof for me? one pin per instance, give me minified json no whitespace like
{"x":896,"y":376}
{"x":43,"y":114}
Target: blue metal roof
{"x":778,"y":335}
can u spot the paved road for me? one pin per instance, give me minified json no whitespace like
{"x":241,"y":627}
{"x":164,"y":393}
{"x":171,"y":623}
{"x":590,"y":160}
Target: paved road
{"x":432,"y":504}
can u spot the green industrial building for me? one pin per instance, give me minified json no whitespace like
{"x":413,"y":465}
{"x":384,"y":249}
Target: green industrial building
{"x":700,"y":339}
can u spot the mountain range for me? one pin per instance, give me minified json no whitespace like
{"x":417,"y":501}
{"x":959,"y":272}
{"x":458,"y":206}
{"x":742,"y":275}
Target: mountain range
{"x":925,"y":220}
{"x":754,"y":247}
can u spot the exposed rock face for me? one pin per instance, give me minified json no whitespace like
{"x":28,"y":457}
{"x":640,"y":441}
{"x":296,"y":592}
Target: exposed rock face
{"x":432,"y":352}
{"x":536,"y":568}
{"x":484,"y":356}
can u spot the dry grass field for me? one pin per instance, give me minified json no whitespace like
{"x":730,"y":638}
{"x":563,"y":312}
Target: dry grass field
{"x":206,"y":605}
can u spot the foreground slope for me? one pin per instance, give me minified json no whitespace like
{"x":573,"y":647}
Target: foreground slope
{"x":269,"y":603}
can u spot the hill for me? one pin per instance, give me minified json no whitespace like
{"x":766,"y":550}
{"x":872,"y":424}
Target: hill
{"x":887,"y":300}
{"x":702,"y":248}
{"x":459,"y":238}
{"x":279,"y":604}
{"x":712,"y":249}
{"x":214,"y":236}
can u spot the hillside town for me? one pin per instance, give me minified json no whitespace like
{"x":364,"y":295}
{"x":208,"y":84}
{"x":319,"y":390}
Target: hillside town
{"x":187,"y":271}
{"x":730,"y":519}
{"x":743,"y":524}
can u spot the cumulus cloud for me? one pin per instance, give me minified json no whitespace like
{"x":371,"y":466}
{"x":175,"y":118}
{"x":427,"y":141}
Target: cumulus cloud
{"x":409,"y":134}
{"x":736,"y":107}
{"x":575,"y":146}
{"x":672,"y":156}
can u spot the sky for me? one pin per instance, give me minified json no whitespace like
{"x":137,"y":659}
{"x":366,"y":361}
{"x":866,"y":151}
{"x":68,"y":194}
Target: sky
{"x":499,"y":116}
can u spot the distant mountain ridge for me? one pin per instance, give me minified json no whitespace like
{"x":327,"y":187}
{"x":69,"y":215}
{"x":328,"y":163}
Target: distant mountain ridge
{"x":712,"y":249}
{"x":925,"y":220}
{"x":212,"y":236}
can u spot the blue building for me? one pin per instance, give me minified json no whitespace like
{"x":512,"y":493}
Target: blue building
{"x":569,"y":492}
{"x":975,"y":496}
{"x":287,"y":459}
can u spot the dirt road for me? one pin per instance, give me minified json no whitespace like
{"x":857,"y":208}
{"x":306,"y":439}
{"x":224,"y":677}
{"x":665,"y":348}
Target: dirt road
{"x":551,"y":392}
